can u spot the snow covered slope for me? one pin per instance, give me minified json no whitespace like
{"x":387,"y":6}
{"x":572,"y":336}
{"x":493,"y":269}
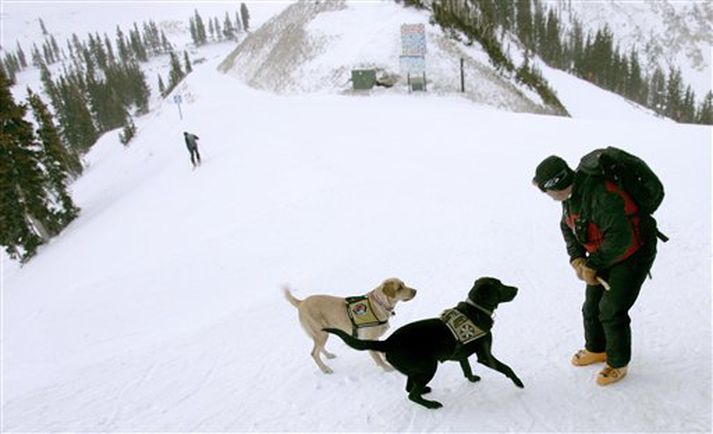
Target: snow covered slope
{"x":313,"y":46}
{"x":667,"y":33}
{"x":159,"y":308}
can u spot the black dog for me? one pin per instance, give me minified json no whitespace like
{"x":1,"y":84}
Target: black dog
{"x":416,"y":348}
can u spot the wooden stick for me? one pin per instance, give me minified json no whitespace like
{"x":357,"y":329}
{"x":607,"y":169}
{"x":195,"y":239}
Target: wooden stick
{"x":604,"y":283}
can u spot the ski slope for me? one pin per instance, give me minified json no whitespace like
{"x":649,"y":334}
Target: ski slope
{"x":160,"y":309}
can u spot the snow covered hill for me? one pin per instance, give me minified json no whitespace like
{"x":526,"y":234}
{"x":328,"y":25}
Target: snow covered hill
{"x":159,"y":308}
{"x":667,"y":33}
{"x":313,"y":47}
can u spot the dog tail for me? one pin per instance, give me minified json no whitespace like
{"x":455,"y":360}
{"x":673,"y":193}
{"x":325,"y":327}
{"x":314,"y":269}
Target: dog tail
{"x":358,"y":344}
{"x":288,"y":295}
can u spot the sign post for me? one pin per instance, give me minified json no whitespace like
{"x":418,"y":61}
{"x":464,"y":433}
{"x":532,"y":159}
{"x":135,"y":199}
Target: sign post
{"x":178,"y":99}
{"x":413,"y":55}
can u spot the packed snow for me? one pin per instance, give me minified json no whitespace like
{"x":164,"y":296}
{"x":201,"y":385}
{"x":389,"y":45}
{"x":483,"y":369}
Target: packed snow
{"x":160,"y":308}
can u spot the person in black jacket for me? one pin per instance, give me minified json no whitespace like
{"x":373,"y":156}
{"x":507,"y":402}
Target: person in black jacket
{"x":192,"y":145}
{"x":611,"y":247}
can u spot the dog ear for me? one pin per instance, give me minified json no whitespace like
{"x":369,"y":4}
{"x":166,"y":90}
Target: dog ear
{"x":389,"y":288}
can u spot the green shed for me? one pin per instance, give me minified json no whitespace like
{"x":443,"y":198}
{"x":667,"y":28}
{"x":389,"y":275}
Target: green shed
{"x":363,"y":79}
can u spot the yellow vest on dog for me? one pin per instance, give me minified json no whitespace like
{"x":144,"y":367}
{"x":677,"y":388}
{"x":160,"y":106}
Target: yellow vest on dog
{"x":361,"y":313}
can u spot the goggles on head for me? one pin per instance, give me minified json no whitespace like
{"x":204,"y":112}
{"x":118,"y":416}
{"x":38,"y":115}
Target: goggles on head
{"x":553,"y":182}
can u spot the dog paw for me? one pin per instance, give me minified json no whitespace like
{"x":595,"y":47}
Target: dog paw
{"x":432,"y":404}
{"x":387,"y":368}
{"x":473,"y":378}
{"x":330,"y":355}
{"x":327,"y":370}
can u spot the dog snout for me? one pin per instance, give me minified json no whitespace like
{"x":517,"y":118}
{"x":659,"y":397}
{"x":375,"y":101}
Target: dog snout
{"x":509,"y":292}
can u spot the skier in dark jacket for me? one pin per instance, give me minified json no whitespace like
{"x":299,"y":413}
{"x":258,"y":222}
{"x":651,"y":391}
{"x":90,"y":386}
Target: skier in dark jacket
{"x":608,"y":241}
{"x":192,"y":145}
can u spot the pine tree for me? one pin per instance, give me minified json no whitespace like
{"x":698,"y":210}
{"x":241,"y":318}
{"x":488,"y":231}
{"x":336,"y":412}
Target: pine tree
{"x":59,"y":164}
{"x":176,"y":74}
{"x":657,"y":91}
{"x":109,"y":50}
{"x":44,"y":29}
{"x":137,"y":45}
{"x":218,"y":31}
{"x":705,"y":110}
{"x":128,"y":132}
{"x":165,"y":45}
{"x":228,"y":29}
{"x":23,"y":201}
{"x":524,"y":22}
{"x":211,"y":30}
{"x":21,"y":56}
{"x":689,"y":106}
{"x":187,"y":63}
{"x":161,"y":86}
{"x":238,"y":21}
{"x":192,"y":27}
{"x":201,"y":36}
{"x":121,"y":46}
{"x":245,"y":16}
{"x":75,"y":119}
{"x":674,"y":95}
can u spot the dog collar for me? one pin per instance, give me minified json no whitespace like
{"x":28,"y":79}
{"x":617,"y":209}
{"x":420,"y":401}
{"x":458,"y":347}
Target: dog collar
{"x":381,"y":303}
{"x":481,"y":308}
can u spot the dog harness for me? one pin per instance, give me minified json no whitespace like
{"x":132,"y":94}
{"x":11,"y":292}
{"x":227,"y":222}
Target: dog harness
{"x":463,"y":329}
{"x":362,"y":314}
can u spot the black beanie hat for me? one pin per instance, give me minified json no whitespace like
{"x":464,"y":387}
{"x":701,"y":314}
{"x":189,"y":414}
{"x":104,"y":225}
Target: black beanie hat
{"x":553,"y":173}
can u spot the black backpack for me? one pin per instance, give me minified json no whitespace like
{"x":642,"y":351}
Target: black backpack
{"x":629,"y":172}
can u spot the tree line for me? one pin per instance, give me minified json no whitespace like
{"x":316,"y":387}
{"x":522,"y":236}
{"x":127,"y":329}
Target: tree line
{"x":216,"y":31}
{"x":593,"y":56}
{"x":35,"y":167}
{"x":99,"y":87}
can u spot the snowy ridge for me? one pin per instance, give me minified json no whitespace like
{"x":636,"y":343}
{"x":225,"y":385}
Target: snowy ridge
{"x":312,"y":47}
{"x":667,"y":33}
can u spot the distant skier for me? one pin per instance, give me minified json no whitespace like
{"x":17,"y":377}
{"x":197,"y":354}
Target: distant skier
{"x":192,"y":145}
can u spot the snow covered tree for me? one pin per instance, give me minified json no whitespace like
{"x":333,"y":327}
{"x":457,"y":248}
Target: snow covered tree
{"x":24,"y":206}
{"x":128,"y":132}
{"x":59,"y":165}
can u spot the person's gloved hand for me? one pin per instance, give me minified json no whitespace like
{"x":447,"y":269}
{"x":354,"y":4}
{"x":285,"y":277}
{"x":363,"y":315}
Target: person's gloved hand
{"x":577,"y":264}
{"x":589,"y":275}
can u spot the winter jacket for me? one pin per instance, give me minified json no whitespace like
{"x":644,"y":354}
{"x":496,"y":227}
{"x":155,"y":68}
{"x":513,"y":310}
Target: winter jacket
{"x":601,"y":222}
{"x":191,"y":140}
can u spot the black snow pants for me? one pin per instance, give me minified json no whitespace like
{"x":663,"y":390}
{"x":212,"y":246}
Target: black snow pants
{"x":606,"y":313}
{"x":195,"y":156}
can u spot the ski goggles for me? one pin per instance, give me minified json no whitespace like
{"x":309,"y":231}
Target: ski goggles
{"x":553,"y":183}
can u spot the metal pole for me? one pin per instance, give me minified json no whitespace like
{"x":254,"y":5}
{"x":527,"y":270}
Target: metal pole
{"x":462,"y":78}
{"x":179,"y":111}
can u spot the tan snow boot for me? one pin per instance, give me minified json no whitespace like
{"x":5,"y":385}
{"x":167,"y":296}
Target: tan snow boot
{"x":610,"y":375}
{"x":584,"y":358}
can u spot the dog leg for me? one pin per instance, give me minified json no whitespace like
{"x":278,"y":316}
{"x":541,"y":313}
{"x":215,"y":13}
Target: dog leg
{"x":327,"y":354}
{"x":485,"y":357}
{"x":465,"y":366}
{"x":409,"y":386}
{"x":419,"y":386}
{"x":380,"y":361}
{"x":319,"y":342}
